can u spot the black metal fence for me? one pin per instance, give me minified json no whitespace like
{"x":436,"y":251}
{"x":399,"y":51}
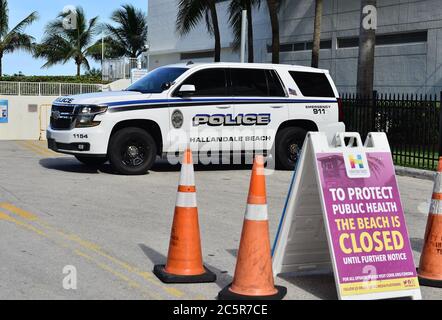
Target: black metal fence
{"x":411,"y":122}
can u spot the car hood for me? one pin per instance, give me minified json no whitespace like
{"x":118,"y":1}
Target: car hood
{"x":102,"y":98}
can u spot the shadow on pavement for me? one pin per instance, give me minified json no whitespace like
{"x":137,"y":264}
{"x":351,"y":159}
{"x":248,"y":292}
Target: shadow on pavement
{"x":417,"y":244}
{"x":164,"y":166}
{"x":233,"y":252}
{"x":72,"y":165}
{"x":67,"y":164}
{"x":222,"y":277}
{"x":321,"y":286}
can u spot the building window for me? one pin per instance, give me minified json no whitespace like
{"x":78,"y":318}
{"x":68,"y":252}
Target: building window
{"x":301,"y":46}
{"x":197,"y":55}
{"x":387,"y":39}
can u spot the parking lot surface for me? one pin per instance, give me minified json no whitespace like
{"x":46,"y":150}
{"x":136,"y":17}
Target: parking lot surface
{"x":56,"y":212}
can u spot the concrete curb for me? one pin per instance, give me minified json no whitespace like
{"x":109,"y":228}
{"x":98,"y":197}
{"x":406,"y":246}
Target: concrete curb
{"x":415,"y":173}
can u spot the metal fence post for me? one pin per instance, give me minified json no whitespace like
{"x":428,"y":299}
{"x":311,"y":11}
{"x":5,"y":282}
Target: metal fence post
{"x":440,"y":125}
{"x":374,"y":107}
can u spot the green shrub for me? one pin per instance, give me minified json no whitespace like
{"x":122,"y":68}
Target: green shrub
{"x":63,"y":79}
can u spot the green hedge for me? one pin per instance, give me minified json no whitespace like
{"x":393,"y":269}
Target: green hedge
{"x":66,"y":79}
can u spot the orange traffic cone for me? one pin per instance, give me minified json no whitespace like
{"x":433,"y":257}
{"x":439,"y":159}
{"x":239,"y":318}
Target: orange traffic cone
{"x":430,"y":266}
{"x":253,"y":274}
{"x":184,"y":261}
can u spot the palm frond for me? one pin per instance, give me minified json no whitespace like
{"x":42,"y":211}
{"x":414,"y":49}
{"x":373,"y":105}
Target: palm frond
{"x":25,"y":22}
{"x":19,"y":41}
{"x":60,"y":45}
{"x":4,"y":18}
{"x":130,"y":29}
{"x":190,"y":13}
{"x":235,"y":17}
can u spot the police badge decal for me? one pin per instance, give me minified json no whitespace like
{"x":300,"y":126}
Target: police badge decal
{"x":177,"y":119}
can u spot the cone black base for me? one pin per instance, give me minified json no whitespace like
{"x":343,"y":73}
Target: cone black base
{"x":226,"y":294}
{"x":165,"y":277}
{"x":430,"y":283}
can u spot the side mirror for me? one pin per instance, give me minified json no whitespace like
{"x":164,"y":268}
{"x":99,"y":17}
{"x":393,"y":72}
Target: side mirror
{"x":187,"y":90}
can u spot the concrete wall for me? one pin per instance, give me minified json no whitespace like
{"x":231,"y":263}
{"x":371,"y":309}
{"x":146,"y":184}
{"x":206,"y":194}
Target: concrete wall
{"x":24,"y":124}
{"x":408,"y":68}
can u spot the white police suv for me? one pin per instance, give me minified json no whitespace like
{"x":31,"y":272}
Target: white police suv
{"x":215,"y":108}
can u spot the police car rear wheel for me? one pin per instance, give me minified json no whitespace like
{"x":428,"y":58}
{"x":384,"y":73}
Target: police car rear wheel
{"x":289,"y":142}
{"x":132,"y":151}
{"x":91,"y":161}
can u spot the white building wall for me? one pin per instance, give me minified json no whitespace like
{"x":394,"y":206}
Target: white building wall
{"x":26,"y":123}
{"x":404,"y":68}
{"x":166,"y":44}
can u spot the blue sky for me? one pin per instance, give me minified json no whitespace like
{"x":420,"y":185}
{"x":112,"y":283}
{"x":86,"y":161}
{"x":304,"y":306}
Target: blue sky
{"x":48,"y":10}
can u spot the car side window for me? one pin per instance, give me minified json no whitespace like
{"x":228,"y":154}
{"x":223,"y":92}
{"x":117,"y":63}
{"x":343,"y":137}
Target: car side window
{"x":208,"y":83}
{"x":275,"y":87}
{"x":313,"y":84}
{"x":249,"y":83}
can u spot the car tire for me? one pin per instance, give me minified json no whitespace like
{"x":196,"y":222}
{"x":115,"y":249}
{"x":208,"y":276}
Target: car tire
{"x":289,"y":142}
{"x":91,"y":161}
{"x":132,"y":151}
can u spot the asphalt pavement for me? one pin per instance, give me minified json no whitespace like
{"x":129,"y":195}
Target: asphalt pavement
{"x":57,"y":215}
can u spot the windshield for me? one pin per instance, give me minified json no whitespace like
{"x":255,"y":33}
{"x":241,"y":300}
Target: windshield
{"x":157,"y":80}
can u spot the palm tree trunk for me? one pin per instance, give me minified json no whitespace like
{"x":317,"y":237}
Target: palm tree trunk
{"x":214,"y":16}
{"x":78,"y":69}
{"x":273,"y":11}
{"x":250,"y":32}
{"x":1,"y":65}
{"x":367,"y":43}
{"x":317,"y":34}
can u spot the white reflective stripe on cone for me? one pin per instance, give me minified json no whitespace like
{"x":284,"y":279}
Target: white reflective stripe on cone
{"x":256,"y":212}
{"x":186,"y":199}
{"x":436,"y":207}
{"x":187,"y":177}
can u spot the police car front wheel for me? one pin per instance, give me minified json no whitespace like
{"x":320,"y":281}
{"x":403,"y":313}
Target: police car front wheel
{"x":132,"y":151}
{"x":289,"y":142}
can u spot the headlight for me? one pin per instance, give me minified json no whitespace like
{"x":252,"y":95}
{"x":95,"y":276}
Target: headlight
{"x":86,"y":115}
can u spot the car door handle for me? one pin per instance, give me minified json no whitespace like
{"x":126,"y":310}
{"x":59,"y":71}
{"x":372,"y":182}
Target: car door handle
{"x":277,"y":107}
{"x":224,"y":107}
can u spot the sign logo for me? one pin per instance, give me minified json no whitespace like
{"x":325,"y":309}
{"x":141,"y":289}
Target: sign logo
{"x":356,"y":165}
{"x":3,"y":111}
{"x":56,"y":115}
{"x":70,"y":280}
{"x":356,"y":162}
{"x":370,"y":20}
{"x":69,"y":15}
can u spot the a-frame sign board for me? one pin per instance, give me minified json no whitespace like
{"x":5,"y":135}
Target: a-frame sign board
{"x":344,"y":213}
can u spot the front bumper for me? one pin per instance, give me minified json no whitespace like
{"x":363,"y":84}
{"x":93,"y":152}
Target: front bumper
{"x":74,"y":141}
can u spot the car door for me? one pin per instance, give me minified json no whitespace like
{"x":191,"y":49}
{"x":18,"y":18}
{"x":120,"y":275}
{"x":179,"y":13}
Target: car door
{"x":204,"y":111}
{"x":260,"y":99}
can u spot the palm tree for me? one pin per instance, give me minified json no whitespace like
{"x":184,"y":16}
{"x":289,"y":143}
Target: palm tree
{"x":130,"y":34}
{"x":14,"y":39}
{"x":273,"y":6}
{"x":367,"y":43}
{"x":317,"y":34}
{"x":62,"y":44}
{"x":235,"y":17}
{"x":190,"y":13}
{"x":112,"y":49}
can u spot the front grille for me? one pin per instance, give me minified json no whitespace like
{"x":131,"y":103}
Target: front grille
{"x":63,"y":117}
